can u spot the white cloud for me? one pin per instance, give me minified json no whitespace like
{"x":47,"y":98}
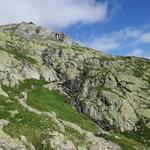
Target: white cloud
{"x":104,"y":43}
{"x":128,"y":37}
{"x":55,"y":13}
{"x":140,"y":53}
{"x":136,"y":52}
{"x":145,"y":37}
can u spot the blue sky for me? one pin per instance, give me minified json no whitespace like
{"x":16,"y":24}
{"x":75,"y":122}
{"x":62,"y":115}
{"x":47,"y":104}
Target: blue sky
{"x":128,"y":16}
{"x":117,"y":27}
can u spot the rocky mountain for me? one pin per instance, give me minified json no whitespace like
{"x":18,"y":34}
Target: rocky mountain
{"x":56,"y":94}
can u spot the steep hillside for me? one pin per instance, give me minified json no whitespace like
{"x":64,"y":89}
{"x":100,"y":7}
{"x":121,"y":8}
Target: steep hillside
{"x":56,"y":94}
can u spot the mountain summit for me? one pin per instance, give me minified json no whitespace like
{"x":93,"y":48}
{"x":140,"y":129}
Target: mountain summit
{"x":56,"y":94}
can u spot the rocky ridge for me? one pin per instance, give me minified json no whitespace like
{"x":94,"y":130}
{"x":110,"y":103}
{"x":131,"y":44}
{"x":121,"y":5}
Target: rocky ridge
{"x":113,"y":91}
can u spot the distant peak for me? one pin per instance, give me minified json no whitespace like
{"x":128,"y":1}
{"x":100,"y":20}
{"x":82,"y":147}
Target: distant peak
{"x":30,"y":30}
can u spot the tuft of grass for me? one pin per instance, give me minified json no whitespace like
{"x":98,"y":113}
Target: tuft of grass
{"x":142,"y":134}
{"x":23,"y":57}
{"x":139,"y":68}
{"x":44,"y":100}
{"x":18,"y":54}
{"x":75,"y":136}
{"x":124,"y":142}
{"x":105,"y":58}
{"x":2,"y":97}
{"x":24,"y":85}
{"x":131,"y":140}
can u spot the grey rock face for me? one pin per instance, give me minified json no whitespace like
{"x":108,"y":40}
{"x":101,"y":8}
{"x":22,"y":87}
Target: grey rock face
{"x":58,"y":142}
{"x":112,"y":94}
{"x":31,"y":31}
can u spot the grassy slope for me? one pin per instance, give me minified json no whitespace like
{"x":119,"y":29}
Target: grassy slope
{"x":34,"y":127}
{"x":24,"y":85}
{"x":45,"y":100}
{"x":124,"y":142}
{"x":141,"y":135}
{"x":24,"y":123}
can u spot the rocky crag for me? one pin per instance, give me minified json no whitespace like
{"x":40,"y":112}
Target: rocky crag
{"x":68,"y":96}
